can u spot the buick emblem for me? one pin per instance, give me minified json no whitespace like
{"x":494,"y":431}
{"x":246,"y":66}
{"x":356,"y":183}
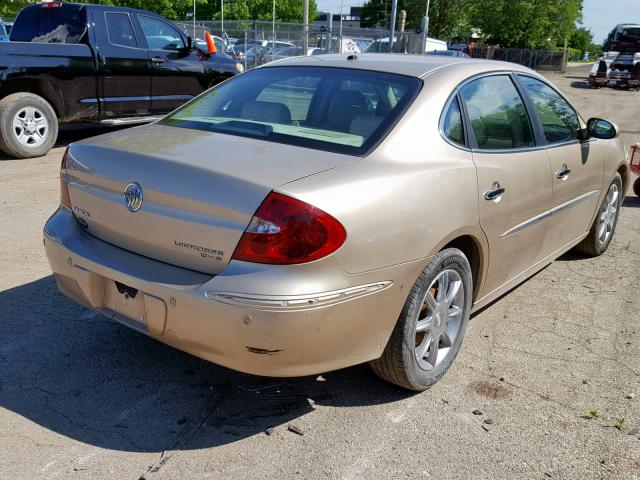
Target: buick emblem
{"x":133,"y":197}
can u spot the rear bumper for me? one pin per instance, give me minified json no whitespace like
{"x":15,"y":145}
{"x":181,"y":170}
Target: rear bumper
{"x":284,"y":322}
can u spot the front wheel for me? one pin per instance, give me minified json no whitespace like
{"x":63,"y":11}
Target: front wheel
{"x":28,"y":125}
{"x":599,"y":237}
{"x":636,"y":187}
{"x":429,"y":332}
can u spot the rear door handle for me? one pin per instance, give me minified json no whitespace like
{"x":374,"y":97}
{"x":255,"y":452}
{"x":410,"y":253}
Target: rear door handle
{"x":496,"y":192}
{"x":563,"y":173}
{"x":158,"y":60}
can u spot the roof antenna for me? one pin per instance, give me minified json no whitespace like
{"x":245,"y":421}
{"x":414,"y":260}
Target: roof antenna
{"x":352,"y":57}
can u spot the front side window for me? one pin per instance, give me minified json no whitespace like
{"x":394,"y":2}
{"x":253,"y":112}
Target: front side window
{"x":452,"y":125}
{"x":120,"y":30}
{"x":160,"y":35}
{"x":497,"y":114}
{"x":559,"y":121}
{"x":333,"y":109}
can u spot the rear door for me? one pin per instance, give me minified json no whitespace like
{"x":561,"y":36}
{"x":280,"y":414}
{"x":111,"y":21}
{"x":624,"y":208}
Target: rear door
{"x":124,"y":66}
{"x":514,"y":180}
{"x":178,"y":74}
{"x":577,"y":168}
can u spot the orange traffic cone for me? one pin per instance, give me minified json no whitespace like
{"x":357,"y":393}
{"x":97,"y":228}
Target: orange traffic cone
{"x":211,"y":46}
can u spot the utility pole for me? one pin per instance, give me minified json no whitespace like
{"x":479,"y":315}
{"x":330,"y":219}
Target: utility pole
{"x":305,"y":22}
{"x":273,"y":39}
{"x":194,"y":19}
{"x":340,"y":48}
{"x":222,"y":19}
{"x":425,"y":29}
{"x":392,"y":27}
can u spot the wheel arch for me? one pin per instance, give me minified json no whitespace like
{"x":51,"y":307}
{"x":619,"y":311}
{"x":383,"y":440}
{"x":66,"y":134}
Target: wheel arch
{"x":474,"y":246}
{"x":40,"y":87}
{"x":623,"y":170}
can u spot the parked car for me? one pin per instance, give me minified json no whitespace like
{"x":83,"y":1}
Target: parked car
{"x":284,"y":224}
{"x":89,"y":63}
{"x":449,"y":53}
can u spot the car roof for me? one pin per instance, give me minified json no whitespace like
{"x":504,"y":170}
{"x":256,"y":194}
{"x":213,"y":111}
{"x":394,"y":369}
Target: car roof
{"x":410,"y":65}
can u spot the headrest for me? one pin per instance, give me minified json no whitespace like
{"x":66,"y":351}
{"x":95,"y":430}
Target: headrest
{"x":269,"y":112}
{"x":344,"y":106}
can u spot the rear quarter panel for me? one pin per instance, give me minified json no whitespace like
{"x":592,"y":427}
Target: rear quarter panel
{"x":404,"y":201}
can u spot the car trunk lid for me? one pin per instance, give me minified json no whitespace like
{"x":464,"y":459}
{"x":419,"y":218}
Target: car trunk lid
{"x":200,"y":189}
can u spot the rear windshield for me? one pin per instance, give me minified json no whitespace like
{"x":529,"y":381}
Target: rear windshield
{"x":333,"y":109}
{"x":63,"y":24}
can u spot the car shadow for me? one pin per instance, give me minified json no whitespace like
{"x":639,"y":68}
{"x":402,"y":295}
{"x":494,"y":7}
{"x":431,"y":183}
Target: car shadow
{"x":581,"y":84}
{"x":631,"y":202}
{"x":90,"y":379}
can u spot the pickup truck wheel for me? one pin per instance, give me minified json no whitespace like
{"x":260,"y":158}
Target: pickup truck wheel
{"x":28,"y":125}
{"x":429,"y":332}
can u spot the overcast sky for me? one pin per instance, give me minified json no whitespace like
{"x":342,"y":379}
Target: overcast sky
{"x":599,"y":15}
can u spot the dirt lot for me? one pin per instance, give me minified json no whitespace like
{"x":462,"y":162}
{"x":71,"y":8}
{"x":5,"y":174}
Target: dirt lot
{"x":555,"y":365}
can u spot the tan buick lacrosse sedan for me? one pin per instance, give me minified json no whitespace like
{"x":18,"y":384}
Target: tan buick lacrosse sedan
{"x":325,"y":211}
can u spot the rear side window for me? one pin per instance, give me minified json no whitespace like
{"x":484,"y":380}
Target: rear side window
{"x":452,"y":125}
{"x":559,"y":121}
{"x":120,"y":30}
{"x":333,"y":109}
{"x":497,"y":114}
{"x":64,"y":24}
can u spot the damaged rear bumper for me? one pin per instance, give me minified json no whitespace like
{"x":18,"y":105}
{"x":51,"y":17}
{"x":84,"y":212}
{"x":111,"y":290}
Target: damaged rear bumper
{"x":259,"y":319}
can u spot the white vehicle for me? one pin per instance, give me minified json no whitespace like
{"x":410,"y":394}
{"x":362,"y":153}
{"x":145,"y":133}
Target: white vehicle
{"x":434,"y":45}
{"x":381,"y":45}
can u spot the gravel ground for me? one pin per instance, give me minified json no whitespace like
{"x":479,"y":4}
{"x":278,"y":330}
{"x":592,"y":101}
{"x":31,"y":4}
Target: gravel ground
{"x":552,"y":369}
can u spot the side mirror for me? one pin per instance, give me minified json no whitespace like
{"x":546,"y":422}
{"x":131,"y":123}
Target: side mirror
{"x":603,"y":129}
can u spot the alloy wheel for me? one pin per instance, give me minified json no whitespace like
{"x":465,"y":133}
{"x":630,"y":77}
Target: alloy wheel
{"x":439,"y":319}
{"x":609,"y":214}
{"x":30,"y":127}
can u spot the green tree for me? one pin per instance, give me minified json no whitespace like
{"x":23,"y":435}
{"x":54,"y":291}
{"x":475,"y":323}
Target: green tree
{"x":527,"y":23}
{"x":581,"y":39}
{"x":10,"y":8}
{"x":446,"y":17}
{"x":286,"y":10}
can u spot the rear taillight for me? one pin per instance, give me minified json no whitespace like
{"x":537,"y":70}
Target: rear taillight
{"x":64,"y":187}
{"x":635,"y":159}
{"x":285,"y":231}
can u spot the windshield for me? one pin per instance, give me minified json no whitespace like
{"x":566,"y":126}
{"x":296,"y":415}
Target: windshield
{"x":333,"y":109}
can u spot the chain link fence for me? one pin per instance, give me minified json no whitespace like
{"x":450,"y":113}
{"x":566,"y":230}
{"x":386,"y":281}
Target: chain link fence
{"x":532,"y":58}
{"x":254,"y":43}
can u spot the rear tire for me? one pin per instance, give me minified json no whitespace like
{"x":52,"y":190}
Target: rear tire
{"x":28,"y":125}
{"x":599,"y":237}
{"x":437,"y":310}
{"x":636,"y":187}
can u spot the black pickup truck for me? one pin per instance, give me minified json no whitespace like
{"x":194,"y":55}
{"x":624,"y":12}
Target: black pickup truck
{"x":70,"y":62}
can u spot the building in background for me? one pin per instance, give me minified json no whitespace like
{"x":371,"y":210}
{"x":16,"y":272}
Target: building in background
{"x":349,"y":20}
